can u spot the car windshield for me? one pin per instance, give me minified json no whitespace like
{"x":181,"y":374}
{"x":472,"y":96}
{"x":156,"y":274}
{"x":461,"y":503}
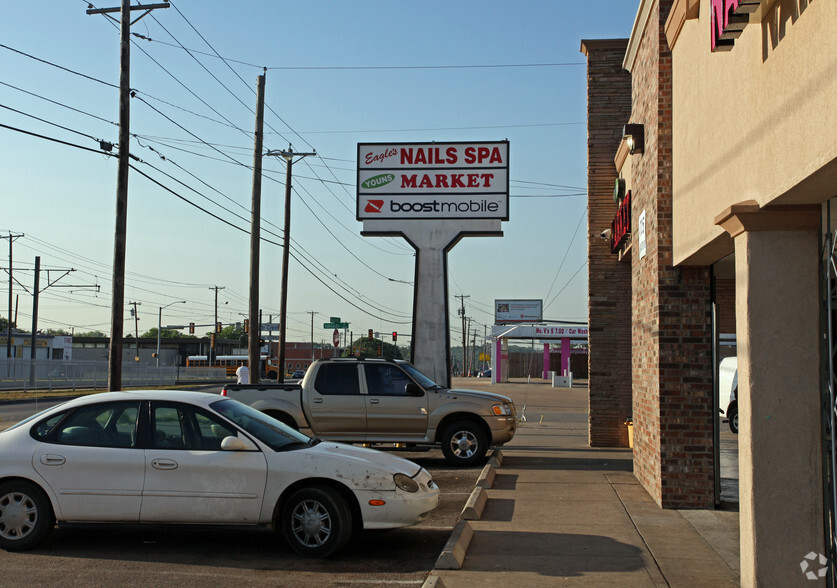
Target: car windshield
{"x":419,"y":377}
{"x":266,"y":429}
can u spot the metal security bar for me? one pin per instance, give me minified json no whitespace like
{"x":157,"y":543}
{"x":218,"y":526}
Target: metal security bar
{"x":829,"y":391}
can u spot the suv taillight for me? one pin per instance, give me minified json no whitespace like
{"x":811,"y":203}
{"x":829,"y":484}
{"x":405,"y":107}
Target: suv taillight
{"x":223,"y":392}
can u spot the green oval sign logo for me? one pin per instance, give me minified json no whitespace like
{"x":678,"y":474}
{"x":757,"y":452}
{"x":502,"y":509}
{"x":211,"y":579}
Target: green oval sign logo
{"x":377,"y":181}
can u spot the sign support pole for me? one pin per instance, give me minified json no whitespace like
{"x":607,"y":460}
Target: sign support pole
{"x":432,"y":239}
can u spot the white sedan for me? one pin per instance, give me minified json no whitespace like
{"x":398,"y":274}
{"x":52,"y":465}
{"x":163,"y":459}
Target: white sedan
{"x":194,"y":458}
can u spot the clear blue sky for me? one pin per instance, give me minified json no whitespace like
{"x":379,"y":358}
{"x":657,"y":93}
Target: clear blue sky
{"x":338,"y":73}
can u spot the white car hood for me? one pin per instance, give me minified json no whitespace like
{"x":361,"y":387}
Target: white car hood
{"x":351,"y":460}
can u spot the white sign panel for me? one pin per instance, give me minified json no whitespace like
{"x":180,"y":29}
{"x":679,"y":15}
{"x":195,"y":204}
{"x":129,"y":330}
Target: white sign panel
{"x":433,"y":180}
{"x":518,"y":311}
{"x":545,"y":333}
{"x":642,"y":243}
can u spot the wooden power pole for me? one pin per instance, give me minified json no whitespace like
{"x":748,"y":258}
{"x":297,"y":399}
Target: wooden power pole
{"x":253,"y":349}
{"x":118,"y":297}
{"x":288,"y":156}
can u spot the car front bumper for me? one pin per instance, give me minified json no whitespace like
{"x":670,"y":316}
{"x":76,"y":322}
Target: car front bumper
{"x":399,"y":508}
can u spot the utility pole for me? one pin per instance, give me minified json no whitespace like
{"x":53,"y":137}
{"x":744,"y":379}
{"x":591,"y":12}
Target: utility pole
{"x":253,"y":350}
{"x":461,"y":312}
{"x":312,"y":313}
{"x":11,"y":239}
{"x":135,"y":314}
{"x":473,"y":351}
{"x":288,"y":156}
{"x":119,"y":239}
{"x":214,"y":324}
{"x":35,"y":297}
{"x":34,"y":320}
{"x":467,"y":358}
{"x":485,"y":345}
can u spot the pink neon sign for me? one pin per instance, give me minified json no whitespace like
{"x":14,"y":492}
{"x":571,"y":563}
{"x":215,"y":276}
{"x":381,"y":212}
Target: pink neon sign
{"x":727,"y":20}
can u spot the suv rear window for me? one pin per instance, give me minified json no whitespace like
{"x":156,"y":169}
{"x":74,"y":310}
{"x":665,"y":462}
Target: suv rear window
{"x":337,"y":379}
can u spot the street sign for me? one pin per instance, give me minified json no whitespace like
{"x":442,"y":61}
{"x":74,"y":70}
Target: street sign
{"x":336,"y":337}
{"x":269,"y":326}
{"x":270,"y":337}
{"x":336,"y":325}
{"x":334,"y":319}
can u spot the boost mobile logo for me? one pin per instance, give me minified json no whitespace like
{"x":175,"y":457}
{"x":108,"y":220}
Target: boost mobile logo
{"x":374,"y":206}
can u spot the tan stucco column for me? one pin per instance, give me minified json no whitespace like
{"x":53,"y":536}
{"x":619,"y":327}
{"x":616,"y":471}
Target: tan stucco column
{"x":777,"y":304}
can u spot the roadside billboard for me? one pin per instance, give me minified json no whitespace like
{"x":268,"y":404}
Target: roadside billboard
{"x":433,"y":180}
{"x":517,"y":311}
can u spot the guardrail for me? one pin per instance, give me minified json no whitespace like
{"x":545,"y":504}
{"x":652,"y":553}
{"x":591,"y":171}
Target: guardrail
{"x":47,"y":374}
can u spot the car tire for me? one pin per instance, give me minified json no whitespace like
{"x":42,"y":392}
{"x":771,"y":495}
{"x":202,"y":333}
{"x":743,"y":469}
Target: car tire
{"x":316,"y":521}
{"x":464,"y":443}
{"x":26,"y":516}
{"x":732,"y":413}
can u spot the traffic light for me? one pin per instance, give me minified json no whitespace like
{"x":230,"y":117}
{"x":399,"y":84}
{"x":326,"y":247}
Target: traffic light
{"x":246,"y":325}
{"x":380,"y":351}
{"x":218,"y":327}
{"x":371,"y":334}
{"x":212,"y":340}
{"x":394,"y":336}
{"x":191,"y":328}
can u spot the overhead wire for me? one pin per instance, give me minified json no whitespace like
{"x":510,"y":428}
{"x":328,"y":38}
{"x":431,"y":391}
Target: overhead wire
{"x":323,"y":181}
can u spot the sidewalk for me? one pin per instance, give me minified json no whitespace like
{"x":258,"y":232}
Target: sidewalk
{"x":560,"y":513}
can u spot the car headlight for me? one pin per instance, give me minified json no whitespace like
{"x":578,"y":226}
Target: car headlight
{"x":406,"y":483}
{"x":501,"y":409}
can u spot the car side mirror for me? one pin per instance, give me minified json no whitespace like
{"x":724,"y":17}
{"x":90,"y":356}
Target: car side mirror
{"x":237,"y":444}
{"x":413,"y":389}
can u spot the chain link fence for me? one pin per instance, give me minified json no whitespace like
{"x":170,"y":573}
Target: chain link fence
{"x":46,"y":374}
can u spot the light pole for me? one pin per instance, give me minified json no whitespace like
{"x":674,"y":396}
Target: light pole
{"x":159,"y":325}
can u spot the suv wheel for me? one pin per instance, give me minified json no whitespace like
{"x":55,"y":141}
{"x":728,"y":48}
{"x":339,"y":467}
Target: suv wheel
{"x":464,"y":443}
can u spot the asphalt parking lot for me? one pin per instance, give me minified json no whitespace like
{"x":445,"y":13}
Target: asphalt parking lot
{"x":163,"y":556}
{"x":157,"y":556}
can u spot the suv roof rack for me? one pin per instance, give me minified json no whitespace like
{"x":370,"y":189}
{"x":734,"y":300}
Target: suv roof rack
{"x":360,"y":357}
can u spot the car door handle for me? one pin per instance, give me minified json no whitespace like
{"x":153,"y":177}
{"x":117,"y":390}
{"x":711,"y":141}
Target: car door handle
{"x":52,"y":460}
{"x":164,"y":464}
{"x":318,"y":401}
{"x":374,"y":401}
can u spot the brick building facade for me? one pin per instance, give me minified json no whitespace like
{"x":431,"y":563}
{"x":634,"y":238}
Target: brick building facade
{"x":730,"y":194}
{"x":663,"y":364}
{"x":609,"y":279}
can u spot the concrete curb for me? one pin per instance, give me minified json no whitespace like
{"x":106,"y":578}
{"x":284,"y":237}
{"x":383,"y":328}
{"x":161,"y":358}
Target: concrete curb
{"x":486,"y":479}
{"x":453,"y":554}
{"x":496,"y":458}
{"x":475,"y":505}
{"x":433,"y":581}
{"x":456,"y":548}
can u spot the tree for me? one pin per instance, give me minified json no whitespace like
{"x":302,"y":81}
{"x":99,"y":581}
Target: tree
{"x":58,"y":332}
{"x":369,"y":348}
{"x":97,"y":334}
{"x":166,"y":334}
